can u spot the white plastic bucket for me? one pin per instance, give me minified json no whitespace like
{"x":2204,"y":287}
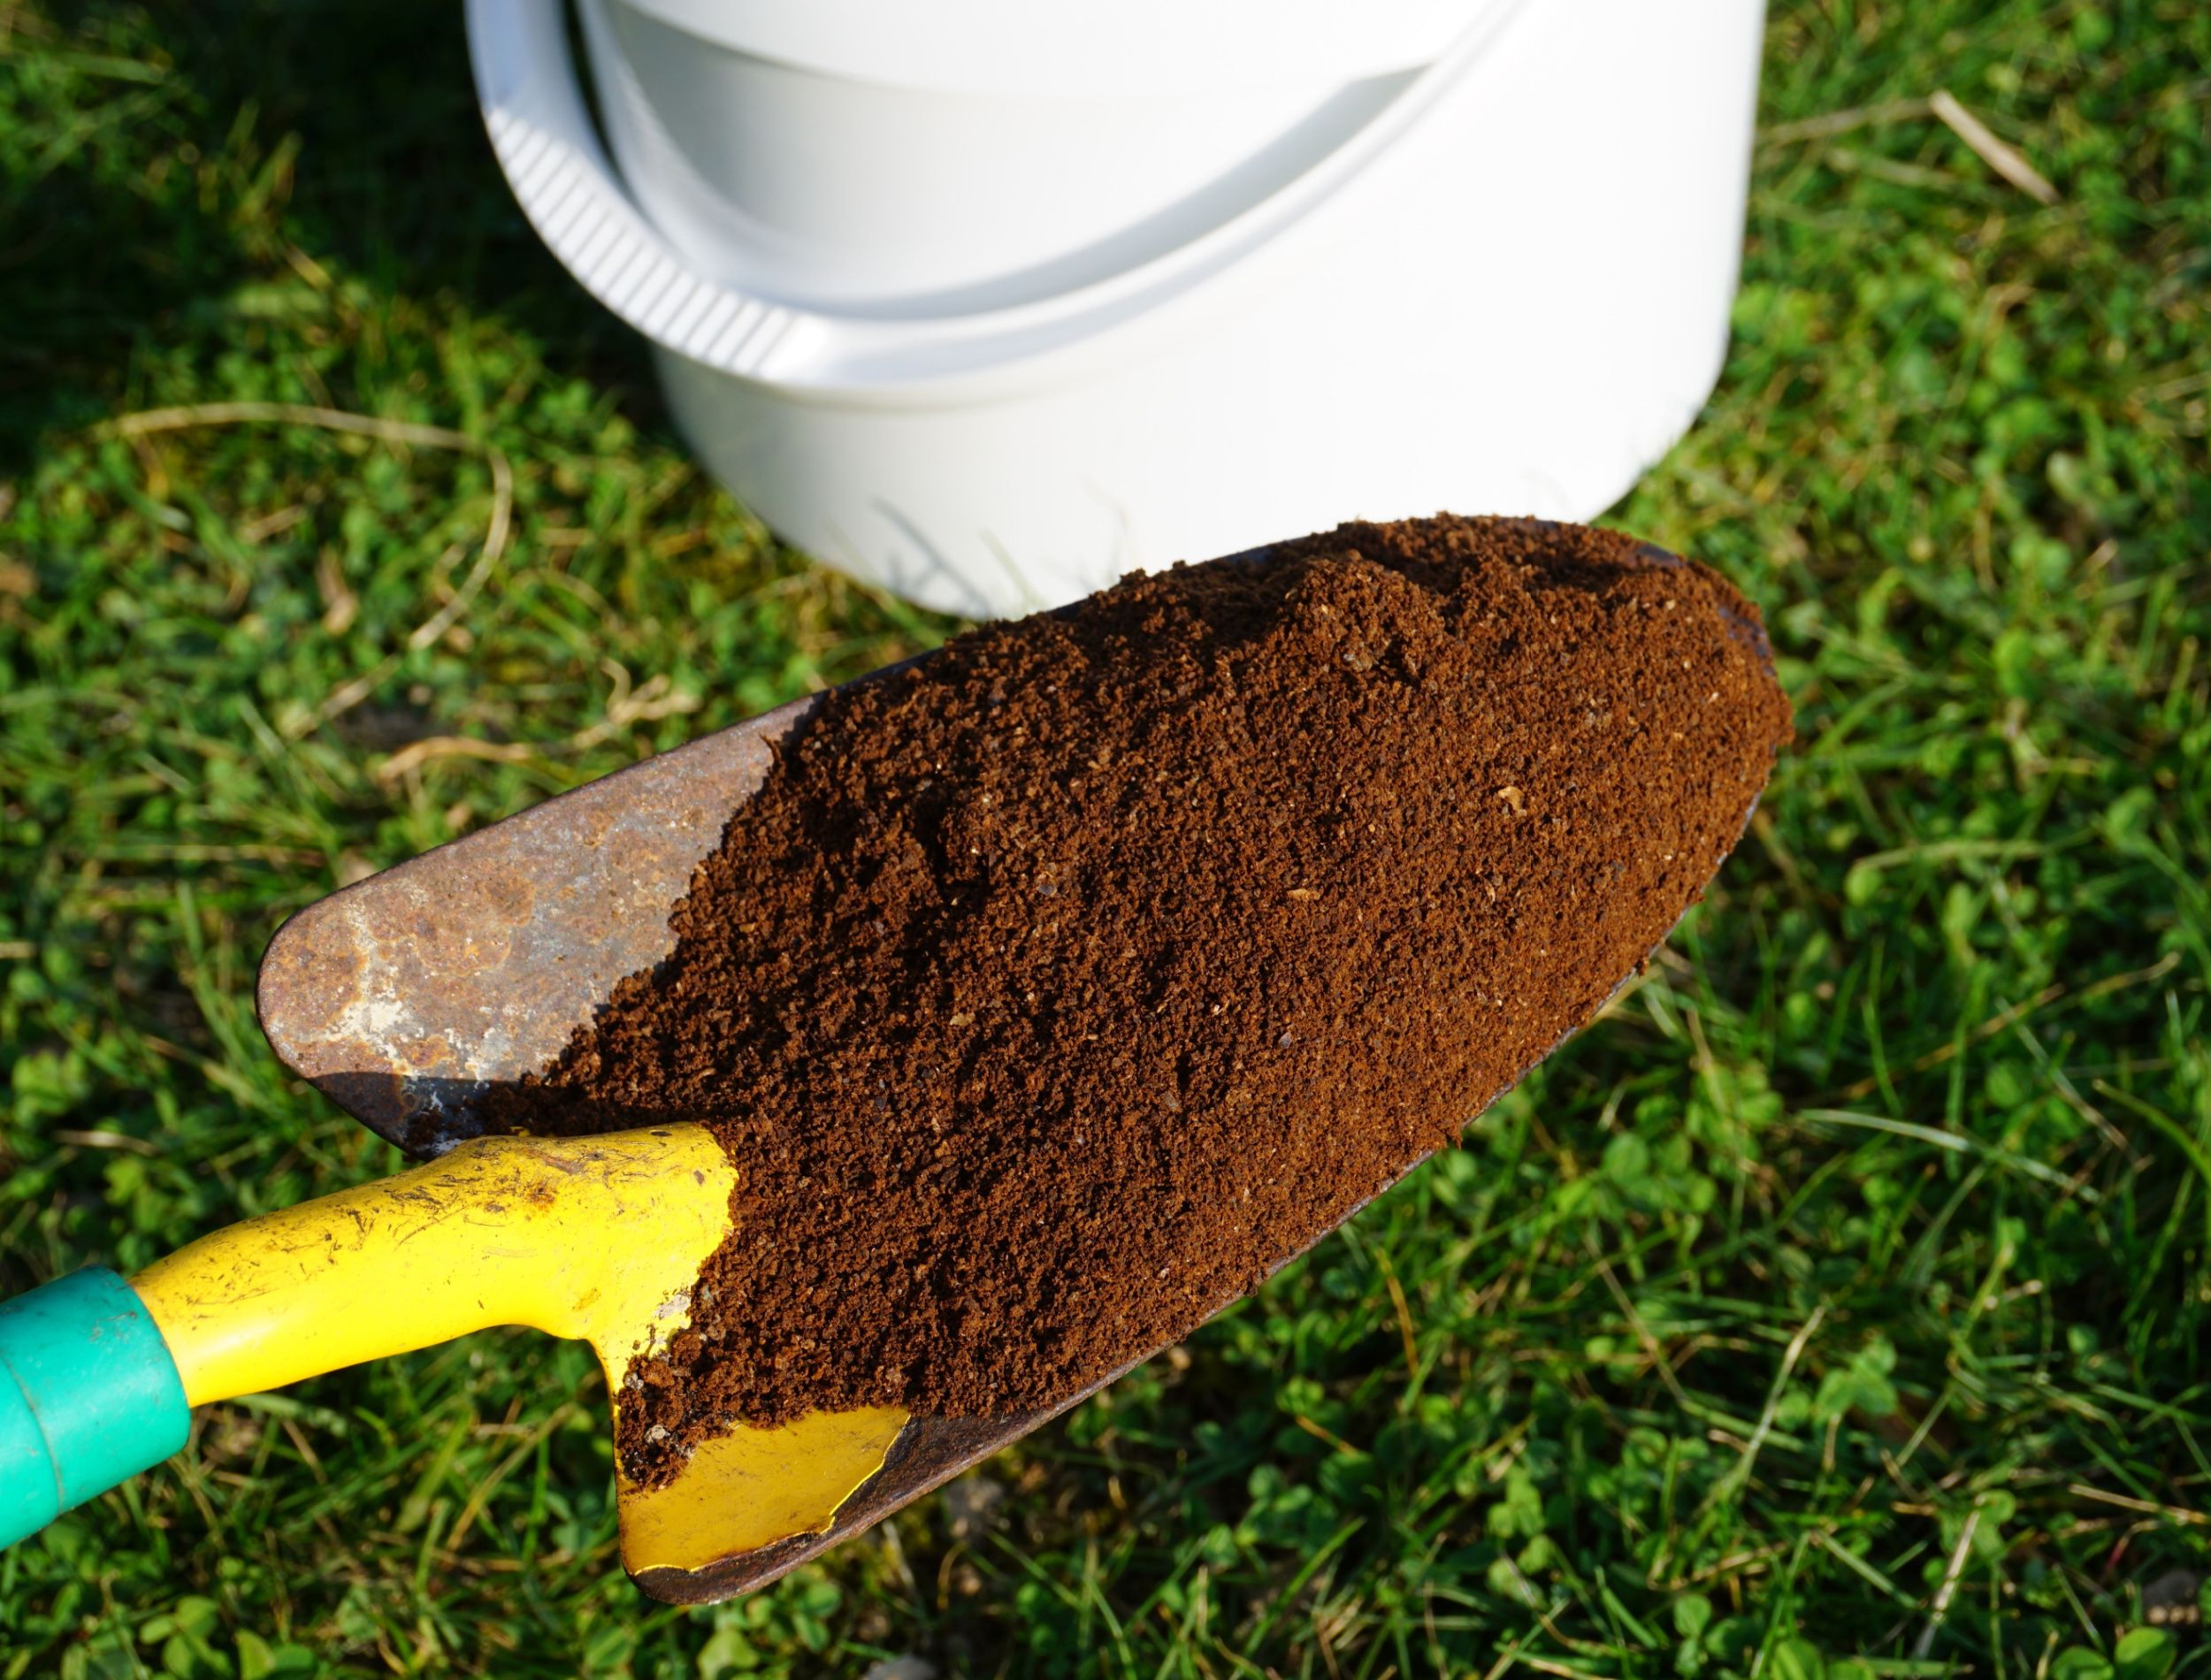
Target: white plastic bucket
{"x":991,"y":311}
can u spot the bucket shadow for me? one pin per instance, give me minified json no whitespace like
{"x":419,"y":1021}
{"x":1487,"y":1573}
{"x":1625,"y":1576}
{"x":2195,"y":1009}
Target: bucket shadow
{"x":346,"y":130}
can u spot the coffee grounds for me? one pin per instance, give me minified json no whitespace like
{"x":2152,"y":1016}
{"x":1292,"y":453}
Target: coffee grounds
{"x":1056,"y":987}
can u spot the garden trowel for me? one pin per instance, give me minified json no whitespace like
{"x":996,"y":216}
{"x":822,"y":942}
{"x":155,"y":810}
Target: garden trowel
{"x":408,"y":999}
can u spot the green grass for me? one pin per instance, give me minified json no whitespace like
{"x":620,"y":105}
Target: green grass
{"x":1843,"y":1299}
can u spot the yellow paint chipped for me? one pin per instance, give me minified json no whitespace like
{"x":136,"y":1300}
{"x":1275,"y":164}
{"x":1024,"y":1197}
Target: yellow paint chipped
{"x":755,"y":1486}
{"x":586,"y":1238}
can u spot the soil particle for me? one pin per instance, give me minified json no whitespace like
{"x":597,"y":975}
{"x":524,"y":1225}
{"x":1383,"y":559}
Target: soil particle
{"x":1056,"y":987}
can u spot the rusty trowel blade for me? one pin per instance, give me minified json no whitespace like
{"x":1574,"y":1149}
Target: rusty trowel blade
{"x":407,"y":998}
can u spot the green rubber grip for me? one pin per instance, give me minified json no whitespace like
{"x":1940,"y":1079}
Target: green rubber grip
{"x":88,"y":1397}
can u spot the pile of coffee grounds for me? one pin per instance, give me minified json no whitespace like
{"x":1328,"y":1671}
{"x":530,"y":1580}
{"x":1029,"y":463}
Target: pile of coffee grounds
{"x":1055,"y":988}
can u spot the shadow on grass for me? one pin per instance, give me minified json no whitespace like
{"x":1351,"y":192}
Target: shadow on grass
{"x":346,"y":131}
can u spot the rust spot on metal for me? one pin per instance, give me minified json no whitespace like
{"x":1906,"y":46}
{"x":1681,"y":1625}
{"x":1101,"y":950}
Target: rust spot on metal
{"x":406,"y":996}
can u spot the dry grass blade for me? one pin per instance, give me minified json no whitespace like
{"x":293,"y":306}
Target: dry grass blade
{"x":1737,"y":1475}
{"x":186,"y":415}
{"x":106,"y":1140}
{"x":2147,"y":1507}
{"x":415,"y":754}
{"x":2005,"y":160}
{"x":655,"y":699}
{"x":1951,"y":1571}
{"x":1843,"y":122}
{"x":1403,"y":1310}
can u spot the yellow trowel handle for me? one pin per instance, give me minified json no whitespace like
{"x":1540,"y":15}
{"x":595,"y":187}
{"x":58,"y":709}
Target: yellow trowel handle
{"x":596,"y":1238}
{"x":599,"y":1239}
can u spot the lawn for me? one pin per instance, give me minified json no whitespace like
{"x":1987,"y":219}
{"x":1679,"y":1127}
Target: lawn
{"x":1841,"y":1304}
